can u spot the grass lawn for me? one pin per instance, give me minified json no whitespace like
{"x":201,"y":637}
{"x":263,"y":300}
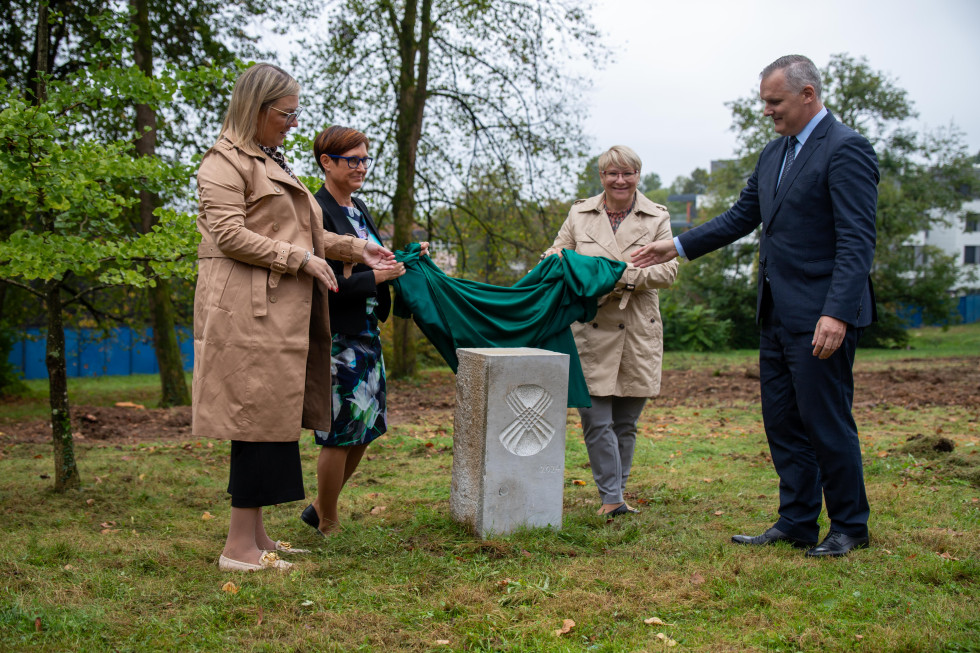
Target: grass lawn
{"x":128,"y":563}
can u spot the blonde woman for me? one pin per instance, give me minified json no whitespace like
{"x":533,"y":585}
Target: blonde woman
{"x":261,"y":317}
{"x":622,"y":347}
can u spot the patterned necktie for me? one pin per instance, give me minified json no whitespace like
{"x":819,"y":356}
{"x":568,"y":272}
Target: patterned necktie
{"x":790,"y":158}
{"x":279,"y":158}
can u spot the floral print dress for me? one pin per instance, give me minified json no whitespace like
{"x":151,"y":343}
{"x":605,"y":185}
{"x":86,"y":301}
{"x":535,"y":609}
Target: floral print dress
{"x":358,"y":370}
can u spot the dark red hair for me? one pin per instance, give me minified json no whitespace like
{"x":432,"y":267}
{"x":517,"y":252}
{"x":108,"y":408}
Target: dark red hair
{"x":336,"y":140}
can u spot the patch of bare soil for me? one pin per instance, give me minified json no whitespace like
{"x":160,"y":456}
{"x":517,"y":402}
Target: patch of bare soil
{"x":430,"y":399}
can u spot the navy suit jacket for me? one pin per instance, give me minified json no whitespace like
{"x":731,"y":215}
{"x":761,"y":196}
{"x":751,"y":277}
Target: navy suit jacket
{"x":818,"y":228}
{"x":348,"y":305}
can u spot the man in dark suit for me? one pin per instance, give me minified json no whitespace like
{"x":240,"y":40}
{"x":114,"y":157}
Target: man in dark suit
{"x":814,"y":191}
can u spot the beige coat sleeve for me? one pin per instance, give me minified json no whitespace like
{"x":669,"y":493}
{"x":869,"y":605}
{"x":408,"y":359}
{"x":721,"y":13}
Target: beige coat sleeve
{"x":221,"y":186}
{"x":655,"y":276}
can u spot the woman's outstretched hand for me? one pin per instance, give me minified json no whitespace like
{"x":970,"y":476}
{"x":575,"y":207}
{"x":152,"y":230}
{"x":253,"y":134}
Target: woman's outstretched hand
{"x":378,"y":257}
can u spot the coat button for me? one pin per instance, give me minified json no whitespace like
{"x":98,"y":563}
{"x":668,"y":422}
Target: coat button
{"x":277,"y":189}
{"x":273,"y":299}
{"x":595,"y":325}
{"x":275,"y":226}
{"x":622,"y":326}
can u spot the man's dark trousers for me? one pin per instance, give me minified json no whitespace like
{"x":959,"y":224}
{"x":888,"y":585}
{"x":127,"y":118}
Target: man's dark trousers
{"x":814,"y":441}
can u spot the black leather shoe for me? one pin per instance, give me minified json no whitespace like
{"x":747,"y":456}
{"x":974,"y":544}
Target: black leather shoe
{"x":310,"y":517}
{"x":771,"y":536}
{"x":619,"y":510}
{"x":837,"y":544}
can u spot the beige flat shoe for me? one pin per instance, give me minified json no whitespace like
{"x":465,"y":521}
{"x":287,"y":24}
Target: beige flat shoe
{"x":269,"y":560}
{"x":286,"y":547}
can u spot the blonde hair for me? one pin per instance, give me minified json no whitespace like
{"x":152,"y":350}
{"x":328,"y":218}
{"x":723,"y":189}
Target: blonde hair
{"x":621,"y":157}
{"x":256,"y":88}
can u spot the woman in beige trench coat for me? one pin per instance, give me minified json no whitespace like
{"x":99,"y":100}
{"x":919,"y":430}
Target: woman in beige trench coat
{"x":261,"y":324}
{"x":622,"y":348}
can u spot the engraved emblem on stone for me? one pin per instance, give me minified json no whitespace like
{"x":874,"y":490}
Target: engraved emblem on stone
{"x":530,"y":432}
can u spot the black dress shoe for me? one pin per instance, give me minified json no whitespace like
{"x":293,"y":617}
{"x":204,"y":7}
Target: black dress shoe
{"x":771,"y":536}
{"x":310,"y":517}
{"x":837,"y":544}
{"x":622,"y":509}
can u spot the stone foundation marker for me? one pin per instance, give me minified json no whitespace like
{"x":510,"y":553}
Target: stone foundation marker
{"x":509,"y":439}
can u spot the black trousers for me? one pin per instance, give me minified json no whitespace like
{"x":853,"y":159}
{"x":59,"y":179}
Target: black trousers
{"x":813,"y":440}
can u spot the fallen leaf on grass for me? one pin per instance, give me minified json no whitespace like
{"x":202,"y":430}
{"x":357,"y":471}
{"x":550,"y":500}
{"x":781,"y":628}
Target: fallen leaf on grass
{"x":656,"y":621}
{"x":68,"y":567}
{"x":442,"y":642}
{"x":706,"y":480}
{"x":90,"y":501}
{"x":261,"y":615}
{"x":697,"y":579}
{"x":859,"y":637}
{"x":107,"y":524}
{"x":377,"y":510}
{"x":566,"y":626}
{"x":719,"y":513}
{"x":207,"y":515}
{"x":230,"y":587}
{"x":578,"y":482}
{"x":129,"y":404}
{"x":37,"y":624}
{"x":945,"y":555}
{"x":666,"y":640}
{"x":307,"y":603}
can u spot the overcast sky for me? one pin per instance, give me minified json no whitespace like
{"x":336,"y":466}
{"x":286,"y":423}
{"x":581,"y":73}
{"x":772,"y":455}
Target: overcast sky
{"x":679,"y":61}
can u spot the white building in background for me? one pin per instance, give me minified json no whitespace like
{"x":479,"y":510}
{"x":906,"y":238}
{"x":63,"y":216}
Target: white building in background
{"x":960,"y":238}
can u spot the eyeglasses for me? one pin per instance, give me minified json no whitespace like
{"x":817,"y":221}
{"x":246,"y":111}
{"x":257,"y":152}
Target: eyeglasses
{"x":353,"y":161}
{"x":627,"y":176}
{"x":290,"y":115}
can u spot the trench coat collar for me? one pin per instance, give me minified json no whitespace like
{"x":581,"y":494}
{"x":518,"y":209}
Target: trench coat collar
{"x":631,"y":229}
{"x":272,"y":169}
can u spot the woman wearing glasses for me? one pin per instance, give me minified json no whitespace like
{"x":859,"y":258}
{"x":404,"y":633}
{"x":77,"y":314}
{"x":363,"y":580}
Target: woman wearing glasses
{"x":358,"y":385}
{"x":622,"y":347}
{"x":260,"y":309}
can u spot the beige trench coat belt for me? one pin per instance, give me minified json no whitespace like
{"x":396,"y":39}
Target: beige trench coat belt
{"x":624,"y":300}
{"x":259,"y":275}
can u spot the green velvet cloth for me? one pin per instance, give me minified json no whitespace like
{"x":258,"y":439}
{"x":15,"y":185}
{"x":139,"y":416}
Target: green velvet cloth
{"x":534,"y":312}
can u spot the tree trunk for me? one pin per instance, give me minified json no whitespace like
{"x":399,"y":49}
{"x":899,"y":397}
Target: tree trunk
{"x":65,"y":471}
{"x":412,"y":88}
{"x":173,"y":384}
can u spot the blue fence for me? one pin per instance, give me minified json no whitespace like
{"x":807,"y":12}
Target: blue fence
{"x":968,"y":308}
{"x":122,"y":352}
{"x":126,"y":351}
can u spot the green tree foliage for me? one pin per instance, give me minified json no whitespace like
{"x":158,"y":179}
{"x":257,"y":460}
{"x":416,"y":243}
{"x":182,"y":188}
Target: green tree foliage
{"x":448,"y":90}
{"x":924,"y":177}
{"x":695,"y":184}
{"x":153,"y":35}
{"x":589,"y":184}
{"x":73,"y":194}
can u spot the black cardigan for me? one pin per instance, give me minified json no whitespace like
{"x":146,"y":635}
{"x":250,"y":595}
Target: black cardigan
{"x":348,"y":306}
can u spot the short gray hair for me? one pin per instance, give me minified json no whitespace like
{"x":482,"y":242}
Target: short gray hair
{"x":799,"y":71}
{"x":621,"y":157}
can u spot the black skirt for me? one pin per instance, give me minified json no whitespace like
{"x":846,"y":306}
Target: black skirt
{"x":264,"y":474}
